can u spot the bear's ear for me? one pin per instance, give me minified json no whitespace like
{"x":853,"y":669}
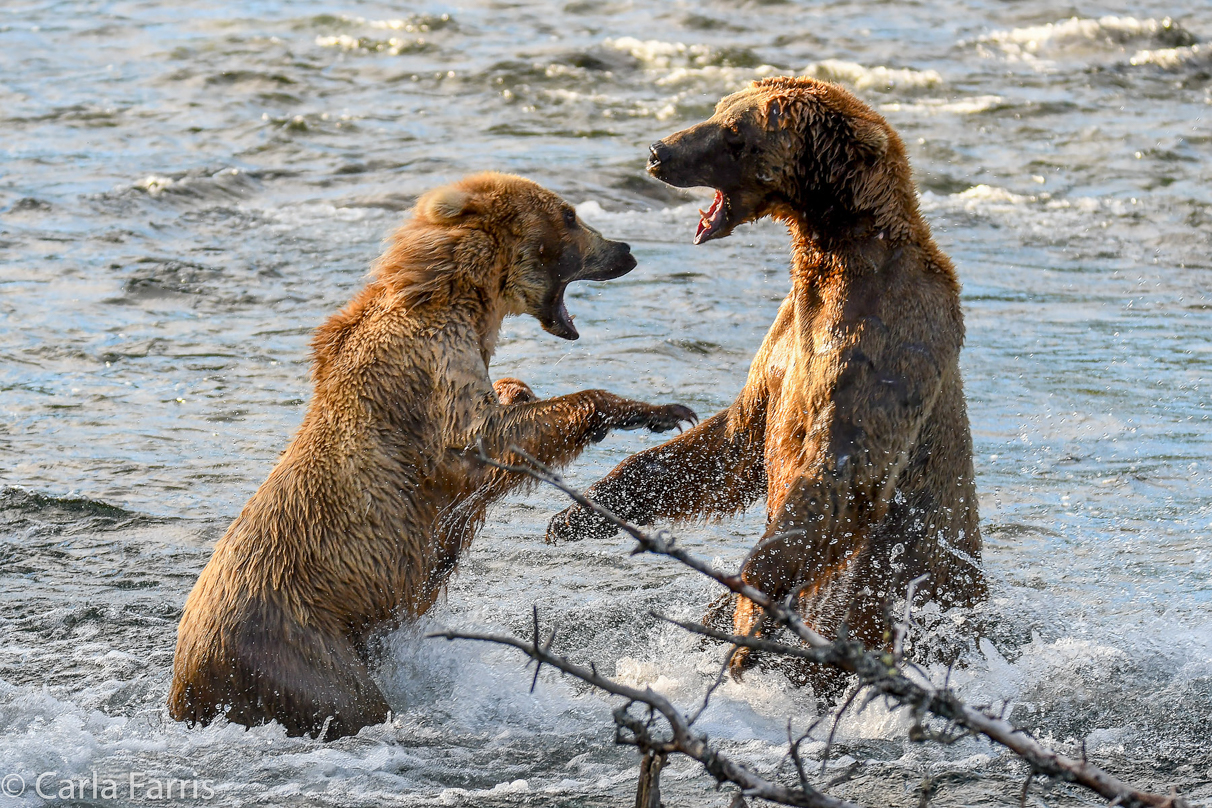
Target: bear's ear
{"x":774,"y":115}
{"x":444,"y":204}
{"x":784,"y":112}
{"x":870,"y":136}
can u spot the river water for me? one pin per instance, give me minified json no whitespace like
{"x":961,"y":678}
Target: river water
{"x":189,"y":188}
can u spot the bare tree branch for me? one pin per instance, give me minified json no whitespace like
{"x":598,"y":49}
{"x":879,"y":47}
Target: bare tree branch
{"x":661,"y":542}
{"x":684,"y":739}
{"x":883,"y":671}
{"x":648,"y":793}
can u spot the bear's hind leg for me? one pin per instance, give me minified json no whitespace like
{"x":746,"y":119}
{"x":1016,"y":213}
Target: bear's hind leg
{"x":305,"y":679}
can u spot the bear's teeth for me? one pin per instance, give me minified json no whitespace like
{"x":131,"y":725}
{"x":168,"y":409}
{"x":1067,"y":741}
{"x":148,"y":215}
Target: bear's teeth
{"x":708,"y":218}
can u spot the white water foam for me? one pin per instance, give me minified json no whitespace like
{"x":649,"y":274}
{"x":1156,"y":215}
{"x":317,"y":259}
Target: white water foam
{"x":655,"y":53}
{"x":1033,"y":211}
{"x":878,"y":78}
{"x":934,"y":106}
{"x":1076,"y":37}
{"x":1174,"y":58}
{"x":154,"y":185}
{"x":392,"y":46}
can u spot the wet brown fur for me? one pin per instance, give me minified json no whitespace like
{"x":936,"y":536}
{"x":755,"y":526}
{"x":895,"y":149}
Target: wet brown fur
{"x":852,"y":422}
{"x":363,"y":519}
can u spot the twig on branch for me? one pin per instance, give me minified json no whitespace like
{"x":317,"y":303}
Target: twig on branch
{"x":823,"y":655}
{"x":1022,"y":795}
{"x":719,"y":680}
{"x":793,"y":746}
{"x":882,"y":671}
{"x":902,"y":628}
{"x":837,"y":719}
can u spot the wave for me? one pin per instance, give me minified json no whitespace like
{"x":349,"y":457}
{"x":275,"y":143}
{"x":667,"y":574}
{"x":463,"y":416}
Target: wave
{"x":393,"y":46}
{"x":192,"y":185}
{"x":691,"y":70}
{"x":658,"y":54}
{"x":20,"y":500}
{"x":1172,"y":59}
{"x":695,"y":71}
{"x":990,"y":199}
{"x":1077,"y":36}
{"x":878,"y":78}
{"x":686,"y":78}
{"x":735,"y":67}
{"x":931,"y":106}
{"x":728,"y":79}
{"x":22,"y":510}
{"x":415,"y":24}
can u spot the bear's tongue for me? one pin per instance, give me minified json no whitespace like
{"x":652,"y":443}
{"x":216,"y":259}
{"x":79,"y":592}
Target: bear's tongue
{"x":712,"y":219}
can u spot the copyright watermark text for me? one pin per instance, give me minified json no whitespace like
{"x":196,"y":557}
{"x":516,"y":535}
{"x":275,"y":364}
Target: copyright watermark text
{"x":95,"y":786}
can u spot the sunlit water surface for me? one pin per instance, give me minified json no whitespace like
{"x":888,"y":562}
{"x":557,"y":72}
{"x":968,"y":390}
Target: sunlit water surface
{"x":189,"y":188}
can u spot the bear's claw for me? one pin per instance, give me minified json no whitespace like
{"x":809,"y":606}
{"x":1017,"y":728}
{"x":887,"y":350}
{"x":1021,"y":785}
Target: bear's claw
{"x":666,"y":417}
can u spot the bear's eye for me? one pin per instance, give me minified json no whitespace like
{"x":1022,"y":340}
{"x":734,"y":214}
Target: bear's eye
{"x":734,"y":139}
{"x":570,"y":219}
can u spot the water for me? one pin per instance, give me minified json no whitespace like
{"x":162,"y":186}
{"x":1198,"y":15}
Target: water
{"x":188,"y":189}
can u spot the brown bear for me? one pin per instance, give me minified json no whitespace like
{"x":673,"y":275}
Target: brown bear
{"x":852,"y":421}
{"x":363,"y":519}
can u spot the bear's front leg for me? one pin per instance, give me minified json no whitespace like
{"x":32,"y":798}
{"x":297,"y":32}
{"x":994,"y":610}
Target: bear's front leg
{"x":555,"y":430}
{"x":715,"y":469}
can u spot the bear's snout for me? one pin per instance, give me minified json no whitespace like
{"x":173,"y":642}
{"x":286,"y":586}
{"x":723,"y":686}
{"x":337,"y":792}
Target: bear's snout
{"x":670,"y":162}
{"x":612,"y":261}
{"x":623,"y":255}
{"x":692,"y":157}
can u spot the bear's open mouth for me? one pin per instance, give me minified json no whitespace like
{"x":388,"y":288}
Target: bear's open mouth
{"x":604,"y":265}
{"x":554,"y":316}
{"x":560,"y":323}
{"x":564,"y":321}
{"x":713,"y":219}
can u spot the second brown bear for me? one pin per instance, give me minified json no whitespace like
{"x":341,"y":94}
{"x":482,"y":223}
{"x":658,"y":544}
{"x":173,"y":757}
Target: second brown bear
{"x":852,"y":422}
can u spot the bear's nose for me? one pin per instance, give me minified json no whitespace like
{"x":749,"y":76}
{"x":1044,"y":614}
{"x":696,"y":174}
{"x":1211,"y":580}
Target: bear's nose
{"x":657,"y":153}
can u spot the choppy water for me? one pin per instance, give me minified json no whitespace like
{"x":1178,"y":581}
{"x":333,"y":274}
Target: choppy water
{"x":187,"y":189}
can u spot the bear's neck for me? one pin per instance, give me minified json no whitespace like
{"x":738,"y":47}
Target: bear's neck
{"x":487,"y":314}
{"x":827,"y":259}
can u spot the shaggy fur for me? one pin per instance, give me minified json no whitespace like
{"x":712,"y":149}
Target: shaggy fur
{"x":852,"y":421}
{"x":363,"y":519}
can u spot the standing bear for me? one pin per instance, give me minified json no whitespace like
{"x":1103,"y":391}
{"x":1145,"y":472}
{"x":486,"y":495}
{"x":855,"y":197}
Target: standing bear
{"x":363,"y":519}
{"x":852,"y":421}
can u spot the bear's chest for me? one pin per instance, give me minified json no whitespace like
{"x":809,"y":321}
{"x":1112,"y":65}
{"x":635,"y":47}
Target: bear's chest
{"x":803,"y":357}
